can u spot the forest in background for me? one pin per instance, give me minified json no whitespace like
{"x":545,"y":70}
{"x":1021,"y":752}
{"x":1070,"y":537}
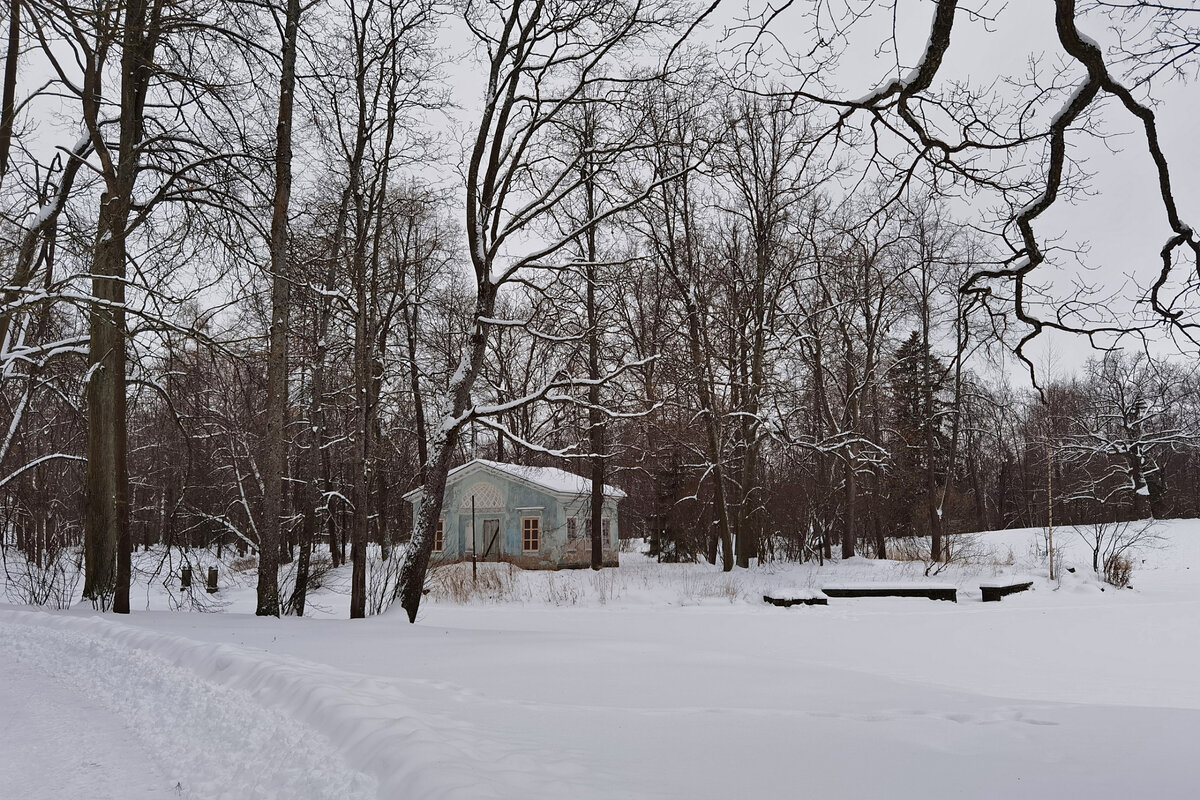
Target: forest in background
{"x":257,"y":287}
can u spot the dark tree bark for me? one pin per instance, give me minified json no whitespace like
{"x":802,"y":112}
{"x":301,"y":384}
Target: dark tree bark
{"x":596,"y":427}
{"x":8,"y":109}
{"x":106,"y":487}
{"x":363,"y":430}
{"x":275,"y":457}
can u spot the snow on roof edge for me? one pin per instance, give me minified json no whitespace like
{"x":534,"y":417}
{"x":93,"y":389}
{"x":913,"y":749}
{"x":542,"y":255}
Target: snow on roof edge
{"x":553,"y":479}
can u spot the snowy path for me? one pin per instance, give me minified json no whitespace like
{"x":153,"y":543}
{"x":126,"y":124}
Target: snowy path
{"x":704,"y":703}
{"x":84,"y":707}
{"x":55,"y":742}
{"x":240,"y":723}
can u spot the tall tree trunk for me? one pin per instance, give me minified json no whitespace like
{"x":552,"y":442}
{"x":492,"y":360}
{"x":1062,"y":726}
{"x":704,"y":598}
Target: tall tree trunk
{"x":850,"y":533}
{"x":596,"y":430}
{"x":961,"y":333}
{"x":1137,"y":479}
{"x":8,"y":106}
{"x":711,"y":435}
{"x":932,"y":505}
{"x":415,"y":561}
{"x":363,"y":478}
{"x":850,"y":425}
{"x":411,"y":313}
{"x":275,"y":456}
{"x":747,"y":544}
{"x":307,"y":530}
{"x":106,"y":488}
{"x":977,"y":490}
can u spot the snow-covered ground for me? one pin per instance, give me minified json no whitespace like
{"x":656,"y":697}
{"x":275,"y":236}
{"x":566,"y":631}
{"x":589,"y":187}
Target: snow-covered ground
{"x":650,"y":681}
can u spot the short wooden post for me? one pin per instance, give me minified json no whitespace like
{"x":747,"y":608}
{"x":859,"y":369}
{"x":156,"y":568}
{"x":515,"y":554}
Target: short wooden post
{"x":185,"y":578}
{"x":212,"y":580}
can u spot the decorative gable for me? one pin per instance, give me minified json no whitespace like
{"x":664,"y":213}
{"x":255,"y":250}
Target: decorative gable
{"x":487,"y":497}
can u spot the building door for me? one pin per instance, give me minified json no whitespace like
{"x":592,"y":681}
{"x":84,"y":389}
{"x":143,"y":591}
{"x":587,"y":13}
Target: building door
{"x":489,"y":540}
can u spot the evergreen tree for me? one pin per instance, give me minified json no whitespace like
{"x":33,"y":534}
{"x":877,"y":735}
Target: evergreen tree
{"x":916,"y":382}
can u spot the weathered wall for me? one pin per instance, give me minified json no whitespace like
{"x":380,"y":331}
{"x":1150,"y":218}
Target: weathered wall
{"x":518,"y":500}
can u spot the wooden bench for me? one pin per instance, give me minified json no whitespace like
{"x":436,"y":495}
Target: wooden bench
{"x":994,"y":590}
{"x":927,"y":590}
{"x":794,"y":597}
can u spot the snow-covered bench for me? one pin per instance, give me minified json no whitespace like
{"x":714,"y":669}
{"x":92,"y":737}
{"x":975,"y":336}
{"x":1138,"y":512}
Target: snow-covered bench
{"x":933,"y":591}
{"x":793,"y":597}
{"x":994,"y":590}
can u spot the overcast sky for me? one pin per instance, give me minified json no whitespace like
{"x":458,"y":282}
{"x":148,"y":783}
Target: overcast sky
{"x":1122,"y":224}
{"x":1120,"y":228}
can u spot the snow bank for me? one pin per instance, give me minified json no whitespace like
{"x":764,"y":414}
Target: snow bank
{"x":796,"y":594}
{"x":211,"y":741}
{"x":365,"y":720}
{"x":1000,"y":583}
{"x":896,"y":586}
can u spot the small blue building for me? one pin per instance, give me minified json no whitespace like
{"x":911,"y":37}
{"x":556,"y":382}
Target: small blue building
{"x":533,"y":517}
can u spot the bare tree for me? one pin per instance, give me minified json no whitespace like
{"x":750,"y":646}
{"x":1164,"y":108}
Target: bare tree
{"x":928,"y":126}
{"x":275,"y":461}
{"x":1130,"y":417}
{"x":764,"y":162}
{"x":673,"y":225}
{"x":541,"y":58}
{"x":1112,"y":543}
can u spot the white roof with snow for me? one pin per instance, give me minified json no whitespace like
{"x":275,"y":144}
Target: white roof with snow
{"x":552,"y":479}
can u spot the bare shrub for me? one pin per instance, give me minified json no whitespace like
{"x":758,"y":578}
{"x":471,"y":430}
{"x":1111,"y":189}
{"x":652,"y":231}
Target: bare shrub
{"x":319,"y":568}
{"x":382,"y":579}
{"x":562,"y":592}
{"x":1057,"y":570}
{"x":242,"y":564}
{"x":1111,"y":541}
{"x":606,"y":585}
{"x":958,"y":549}
{"x":697,"y":587}
{"x":1118,"y":570}
{"x":164,"y":565}
{"x":909,"y":548}
{"x":965,"y":550}
{"x":49,"y":581}
{"x":453,"y":582}
{"x":729,"y":589}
